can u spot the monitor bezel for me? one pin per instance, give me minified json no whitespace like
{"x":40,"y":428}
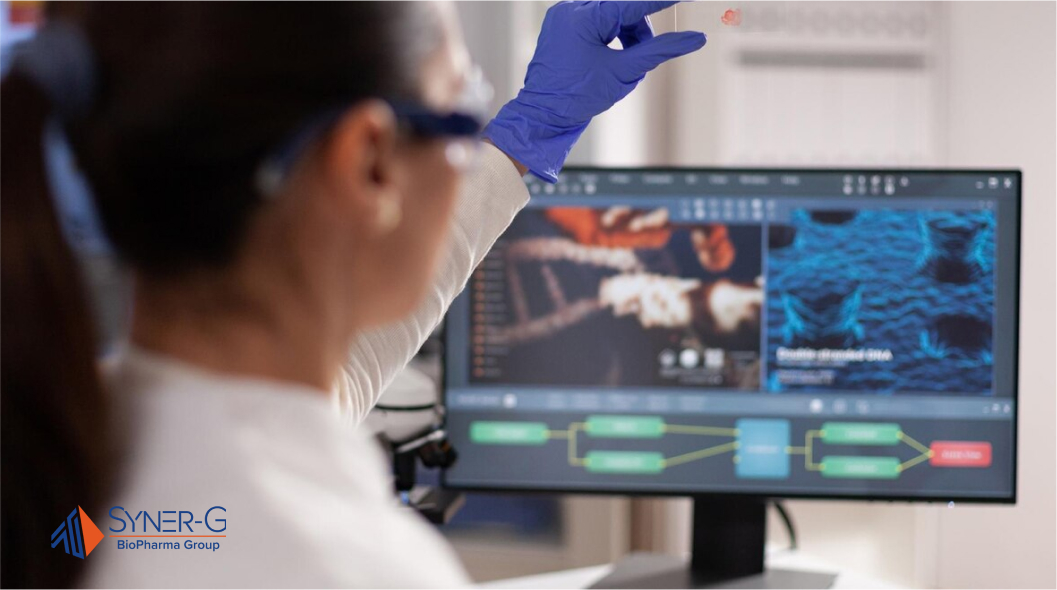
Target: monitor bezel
{"x":638,"y":493}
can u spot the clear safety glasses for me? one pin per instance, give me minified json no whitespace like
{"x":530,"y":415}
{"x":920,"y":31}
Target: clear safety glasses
{"x":475,"y":101}
{"x":460,"y":129}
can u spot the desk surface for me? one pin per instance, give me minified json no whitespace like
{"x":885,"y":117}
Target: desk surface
{"x":585,"y":576}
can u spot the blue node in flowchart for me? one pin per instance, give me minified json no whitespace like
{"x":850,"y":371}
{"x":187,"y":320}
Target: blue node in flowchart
{"x":762,"y":449}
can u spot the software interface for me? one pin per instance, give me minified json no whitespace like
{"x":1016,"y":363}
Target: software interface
{"x":794,"y":333}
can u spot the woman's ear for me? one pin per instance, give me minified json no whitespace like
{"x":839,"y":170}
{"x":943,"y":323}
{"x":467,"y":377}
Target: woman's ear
{"x":360,"y":168}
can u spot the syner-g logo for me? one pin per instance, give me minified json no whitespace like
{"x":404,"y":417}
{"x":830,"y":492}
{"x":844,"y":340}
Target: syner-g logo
{"x":145,"y":525}
{"x":78,"y":534}
{"x":162,"y":529}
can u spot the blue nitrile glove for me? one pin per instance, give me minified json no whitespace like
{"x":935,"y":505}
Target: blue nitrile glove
{"x":574,"y":76}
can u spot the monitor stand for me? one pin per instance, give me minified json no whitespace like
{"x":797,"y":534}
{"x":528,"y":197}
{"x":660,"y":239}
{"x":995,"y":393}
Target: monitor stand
{"x":728,"y":552}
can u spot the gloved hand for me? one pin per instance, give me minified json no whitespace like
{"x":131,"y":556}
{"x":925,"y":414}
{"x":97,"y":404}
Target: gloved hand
{"x":574,"y":76}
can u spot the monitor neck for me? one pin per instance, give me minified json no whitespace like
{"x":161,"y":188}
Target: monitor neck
{"x":728,"y":537}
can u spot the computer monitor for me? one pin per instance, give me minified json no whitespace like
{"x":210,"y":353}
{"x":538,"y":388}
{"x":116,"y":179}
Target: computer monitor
{"x":766,"y":333}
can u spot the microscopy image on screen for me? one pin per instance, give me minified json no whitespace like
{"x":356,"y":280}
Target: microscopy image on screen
{"x":618,"y":296}
{"x":881,"y":300}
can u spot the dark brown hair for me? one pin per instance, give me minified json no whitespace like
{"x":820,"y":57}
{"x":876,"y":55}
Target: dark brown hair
{"x":190,"y":98}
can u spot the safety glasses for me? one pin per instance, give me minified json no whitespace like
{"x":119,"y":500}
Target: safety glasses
{"x":461,"y":129}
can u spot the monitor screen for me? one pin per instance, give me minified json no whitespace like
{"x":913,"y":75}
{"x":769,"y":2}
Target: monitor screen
{"x":772,"y":332}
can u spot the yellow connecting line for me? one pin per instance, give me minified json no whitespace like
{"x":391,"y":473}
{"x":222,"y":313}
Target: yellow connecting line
{"x":570,"y":436}
{"x":926,"y":453}
{"x":811,"y":435}
{"x":809,"y":438}
{"x":704,"y":430}
{"x":703,"y":453}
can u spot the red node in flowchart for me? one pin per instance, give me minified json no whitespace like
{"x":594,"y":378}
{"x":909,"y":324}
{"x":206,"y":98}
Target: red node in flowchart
{"x":950,"y":453}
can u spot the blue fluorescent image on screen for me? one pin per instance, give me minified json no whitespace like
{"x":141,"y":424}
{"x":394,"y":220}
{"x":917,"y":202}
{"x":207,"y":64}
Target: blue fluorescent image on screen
{"x":914,"y":288}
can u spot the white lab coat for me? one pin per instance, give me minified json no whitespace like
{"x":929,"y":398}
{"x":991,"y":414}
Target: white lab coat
{"x":307,"y":493}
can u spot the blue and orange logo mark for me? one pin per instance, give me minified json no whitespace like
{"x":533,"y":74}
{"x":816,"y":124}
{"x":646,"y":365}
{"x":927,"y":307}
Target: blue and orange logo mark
{"x":78,"y":534}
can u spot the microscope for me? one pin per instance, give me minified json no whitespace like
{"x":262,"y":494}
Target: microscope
{"x":408,"y":421}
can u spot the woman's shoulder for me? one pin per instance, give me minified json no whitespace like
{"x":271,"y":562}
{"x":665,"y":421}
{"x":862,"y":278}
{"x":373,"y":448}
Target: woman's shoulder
{"x":305,"y":500}
{"x":270,"y":531}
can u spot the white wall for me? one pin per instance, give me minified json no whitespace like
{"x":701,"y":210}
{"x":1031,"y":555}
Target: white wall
{"x":1001,"y":113}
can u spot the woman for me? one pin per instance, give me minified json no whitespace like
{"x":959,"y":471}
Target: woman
{"x":282,"y":180}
